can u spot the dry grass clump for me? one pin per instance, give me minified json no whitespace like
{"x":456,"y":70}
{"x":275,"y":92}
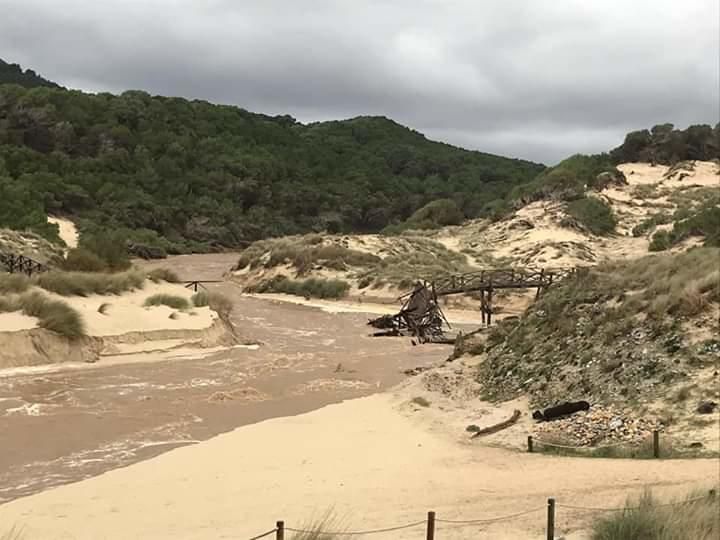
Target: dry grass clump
{"x":52,"y":315}
{"x":308,"y":288}
{"x":673,"y":284}
{"x":217,"y":302}
{"x":87,"y":283}
{"x":170,"y":300}
{"x":648,"y":519}
{"x":327,"y":527}
{"x":13,"y":283}
{"x":163,"y":274}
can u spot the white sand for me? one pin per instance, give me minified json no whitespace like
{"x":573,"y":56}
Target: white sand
{"x":16,"y":321}
{"x":362,"y":457}
{"x":126,"y":312}
{"x":68,"y":231}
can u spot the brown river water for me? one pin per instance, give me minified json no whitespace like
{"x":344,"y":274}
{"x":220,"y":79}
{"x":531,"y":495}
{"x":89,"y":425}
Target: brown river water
{"x":62,"y":425}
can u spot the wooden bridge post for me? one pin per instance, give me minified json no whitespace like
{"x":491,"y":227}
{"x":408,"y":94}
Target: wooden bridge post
{"x":489,"y":304}
{"x":482,"y":305}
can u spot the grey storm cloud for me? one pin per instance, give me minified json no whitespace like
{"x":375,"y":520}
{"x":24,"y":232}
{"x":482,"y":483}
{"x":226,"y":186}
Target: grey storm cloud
{"x":538,"y":80}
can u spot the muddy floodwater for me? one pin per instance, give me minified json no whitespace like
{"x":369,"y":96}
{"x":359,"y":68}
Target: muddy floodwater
{"x":60,"y":425}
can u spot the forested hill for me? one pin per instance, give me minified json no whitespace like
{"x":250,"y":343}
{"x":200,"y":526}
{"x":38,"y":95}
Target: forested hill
{"x":192,"y":175}
{"x":14,"y":74}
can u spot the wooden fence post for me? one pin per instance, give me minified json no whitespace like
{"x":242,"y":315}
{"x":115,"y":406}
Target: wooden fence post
{"x":280,"y":530}
{"x":656,"y":444}
{"x":431,"y":526}
{"x":530,"y":444}
{"x":551,"y":519}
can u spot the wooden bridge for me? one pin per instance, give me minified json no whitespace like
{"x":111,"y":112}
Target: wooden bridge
{"x":486,"y":281}
{"x":422,"y":317}
{"x":506,"y":278}
{"x":21,"y":264}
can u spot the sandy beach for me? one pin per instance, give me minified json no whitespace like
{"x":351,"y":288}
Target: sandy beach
{"x":364,"y":459}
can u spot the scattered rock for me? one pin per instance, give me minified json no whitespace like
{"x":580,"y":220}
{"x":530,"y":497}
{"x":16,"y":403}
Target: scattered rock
{"x":415,"y":371}
{"x":706,"y":407}
{"x":599,"y":425}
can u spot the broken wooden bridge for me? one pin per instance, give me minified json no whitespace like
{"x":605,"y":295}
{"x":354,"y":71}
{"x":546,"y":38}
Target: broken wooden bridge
{"x":21,"y":264}
{"x":421,"y":316}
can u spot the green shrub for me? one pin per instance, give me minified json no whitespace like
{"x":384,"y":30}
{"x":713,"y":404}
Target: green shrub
{"x":650,"y":223}
{"x":309,"y":288}
{"x":163,"y":274}
{"x":660,"y":241}
{"x":108,"y":247}
{"x":83,"y":260}
{"x":594,"y":214}
{"x":53,"y":315}
{"x":13,"y":283}
{"x":175,"y":302}
{"x":648,"y":519}
{"x":85,"y":283}
{"x":568,"y":180}
{"x":433,"y":215}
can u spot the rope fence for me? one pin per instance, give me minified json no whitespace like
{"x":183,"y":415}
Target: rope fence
{"x":432,"y":520}
{"x":532,"y":441}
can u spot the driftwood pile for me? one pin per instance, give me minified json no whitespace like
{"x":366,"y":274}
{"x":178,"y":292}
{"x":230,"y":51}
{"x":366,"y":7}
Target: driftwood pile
{"x":420,"y":317}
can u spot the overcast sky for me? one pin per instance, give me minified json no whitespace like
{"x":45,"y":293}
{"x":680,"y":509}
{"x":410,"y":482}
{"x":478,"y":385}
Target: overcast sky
{"x":533,"y":79}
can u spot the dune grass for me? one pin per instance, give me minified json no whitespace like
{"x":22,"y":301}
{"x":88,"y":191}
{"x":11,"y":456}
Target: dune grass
{"x":163,"y":274}
{"x":309,"y":288}
{"x":13,"y":283}
{"x":302,"y":252}
{"x":53,"y":315}
{"x":87,"y":283}
{"x":645,"y":519}
{"x":217,"y":302}
{"x":170,"y":300}
{"x":326,"y":527}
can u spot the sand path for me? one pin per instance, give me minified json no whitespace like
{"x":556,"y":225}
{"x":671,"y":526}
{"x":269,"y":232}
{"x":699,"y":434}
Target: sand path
{"x":365,"y":459}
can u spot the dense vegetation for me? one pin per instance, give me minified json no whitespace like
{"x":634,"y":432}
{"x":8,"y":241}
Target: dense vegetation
{"x":667,"y":145}
{"x":593,"y":214}
{"x":188,"y":175}
{"x":14,"y":74}
{"x":568,"y":180}
{"x":616,"y":332}
{"x":705,"y":222}
{"x":433,"y":215}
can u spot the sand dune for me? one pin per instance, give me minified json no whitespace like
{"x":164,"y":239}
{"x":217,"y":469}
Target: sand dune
{"x":126,"y":312}
{"x":68,"y":231}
